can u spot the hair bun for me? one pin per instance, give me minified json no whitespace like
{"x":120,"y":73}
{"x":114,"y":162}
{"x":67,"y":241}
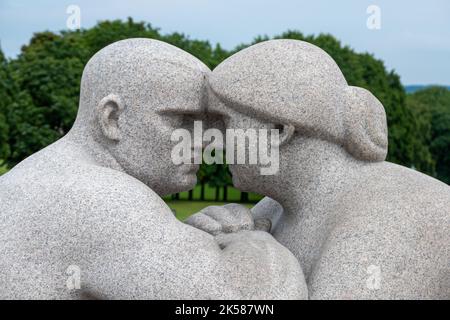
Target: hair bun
{"x":366,"y":135}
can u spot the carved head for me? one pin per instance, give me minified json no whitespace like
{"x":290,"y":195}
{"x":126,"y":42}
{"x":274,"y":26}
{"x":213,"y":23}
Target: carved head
{"x":297,"y":87}
{"x":134,"y":94}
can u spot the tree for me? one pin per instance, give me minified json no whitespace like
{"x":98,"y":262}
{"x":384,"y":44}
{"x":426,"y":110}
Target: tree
{"x":224,"y":179}
{"x":432,"y":105}
{"x":107,"y":32}
{"x":4,"y":102}
{"x":424,"y":161}
{"x":203,"y":176}
{"x":42,"y":90}
{"x":47,"y":75}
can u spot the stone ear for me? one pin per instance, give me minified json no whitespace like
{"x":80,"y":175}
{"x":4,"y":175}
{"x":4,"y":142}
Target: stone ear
{"x":108,"y":111}
{"x":286,"y":133}
{"x":366,"y":136}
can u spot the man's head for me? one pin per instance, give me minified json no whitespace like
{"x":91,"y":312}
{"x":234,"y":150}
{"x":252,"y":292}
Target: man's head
{"x":296,"y":87}
{"x":134,"y":94}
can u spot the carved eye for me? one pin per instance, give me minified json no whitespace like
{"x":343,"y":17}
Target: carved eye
{"x":174,"y":120}
{"x":280,"y":128}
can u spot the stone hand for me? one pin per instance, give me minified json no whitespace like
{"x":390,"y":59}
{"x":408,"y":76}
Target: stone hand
{"x":230,"y":218}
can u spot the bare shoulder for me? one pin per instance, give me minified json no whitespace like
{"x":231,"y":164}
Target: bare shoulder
{"x":401,"y":193}
{"x":391,"y":239}
{"x":114,"y":187}
{"x":394,"y":207}
{"x":79,"y":196}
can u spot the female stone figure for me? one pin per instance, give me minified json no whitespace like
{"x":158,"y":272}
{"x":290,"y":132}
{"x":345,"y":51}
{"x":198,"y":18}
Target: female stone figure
{"x":361,"y":227}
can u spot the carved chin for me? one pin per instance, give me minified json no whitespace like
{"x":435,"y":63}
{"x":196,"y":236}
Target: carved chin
{"x":188,"y":181}
{"x":236,"y":181}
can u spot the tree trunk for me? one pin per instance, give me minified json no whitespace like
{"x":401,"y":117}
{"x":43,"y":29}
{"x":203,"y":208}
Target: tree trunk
{"x":244,"y":197}
{"x":217,"y":193}
{"x":202,"y":192}
{"x":225,"y":193}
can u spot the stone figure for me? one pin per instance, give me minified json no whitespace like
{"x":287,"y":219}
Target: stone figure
{"x":84,"y":218}
{"x":361,"y":227}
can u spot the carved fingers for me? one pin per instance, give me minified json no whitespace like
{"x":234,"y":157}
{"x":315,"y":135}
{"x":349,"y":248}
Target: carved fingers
{"x":230,"y":218}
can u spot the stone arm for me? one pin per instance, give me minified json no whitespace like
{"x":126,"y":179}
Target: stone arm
{"x":136,"y":249}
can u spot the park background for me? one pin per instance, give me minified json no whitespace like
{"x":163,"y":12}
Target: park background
{"x":39,"y":91}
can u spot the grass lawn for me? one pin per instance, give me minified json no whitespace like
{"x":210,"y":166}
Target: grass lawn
{"x":234,"y":195}
{"x":183,"y":208}
{"x":3,"y":169}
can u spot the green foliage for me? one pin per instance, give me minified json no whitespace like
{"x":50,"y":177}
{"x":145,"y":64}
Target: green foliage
{"x":5,"y":101}
{"x":184,"y":209}
{"x":424,"y":160}
{"x":46,"y":78}
{"x":432,"y":108}
{"x":40,"y":90}
{"x":4,"y":132}
{"x":107,"y":32}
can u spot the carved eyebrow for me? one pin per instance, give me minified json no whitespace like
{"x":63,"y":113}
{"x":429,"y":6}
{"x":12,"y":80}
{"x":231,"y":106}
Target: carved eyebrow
{"x":174,"y":111}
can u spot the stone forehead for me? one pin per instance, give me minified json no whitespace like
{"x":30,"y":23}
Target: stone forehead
{"x":145,"y":68}
{"x":286,"y":80}
{"x":273,"y":65}
{"x":142,"y":51}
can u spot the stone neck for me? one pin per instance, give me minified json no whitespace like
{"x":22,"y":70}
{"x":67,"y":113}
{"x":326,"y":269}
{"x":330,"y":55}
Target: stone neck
{"x":91,"y":149}
{"x":318,"y":175}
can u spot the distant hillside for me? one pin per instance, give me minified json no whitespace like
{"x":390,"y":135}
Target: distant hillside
{"x":417,"y":87}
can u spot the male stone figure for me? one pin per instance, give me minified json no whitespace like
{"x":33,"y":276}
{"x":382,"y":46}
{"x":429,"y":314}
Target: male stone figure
{"x":89,"y":205}
{"x":360,"y":227}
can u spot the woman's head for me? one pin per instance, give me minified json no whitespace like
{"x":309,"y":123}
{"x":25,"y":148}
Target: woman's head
{"x":295,"y":86}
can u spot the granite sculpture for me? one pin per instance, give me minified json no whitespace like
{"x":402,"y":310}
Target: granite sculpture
{"x":361,"y":227}
{"x":83,"y":218}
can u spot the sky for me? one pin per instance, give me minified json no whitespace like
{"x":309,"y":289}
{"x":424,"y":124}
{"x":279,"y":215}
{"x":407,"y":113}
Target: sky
{"x":413,"y":37}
